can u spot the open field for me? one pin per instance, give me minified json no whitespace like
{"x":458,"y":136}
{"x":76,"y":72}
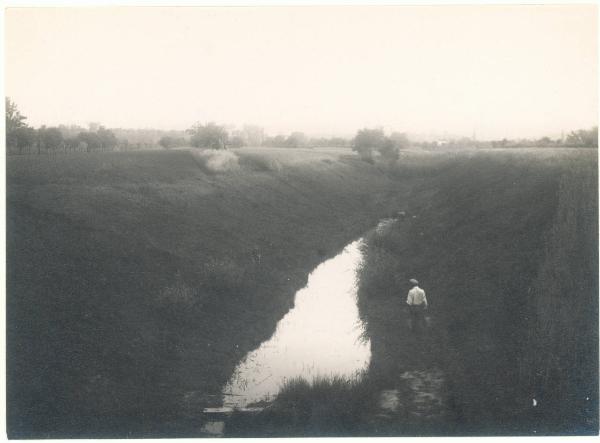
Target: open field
{"x":136,"y":281}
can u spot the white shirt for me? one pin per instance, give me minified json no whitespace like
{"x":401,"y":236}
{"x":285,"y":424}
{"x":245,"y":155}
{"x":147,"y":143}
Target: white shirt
{"x":416,"y":297}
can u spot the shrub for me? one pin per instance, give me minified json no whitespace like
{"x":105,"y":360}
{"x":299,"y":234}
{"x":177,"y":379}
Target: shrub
{"x":214,"y":161}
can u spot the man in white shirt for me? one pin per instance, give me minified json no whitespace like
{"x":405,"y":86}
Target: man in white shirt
{"x":417,"y":303}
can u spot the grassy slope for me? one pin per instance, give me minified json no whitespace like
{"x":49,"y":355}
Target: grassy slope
{"x":489,"y":234}
{"x":136,"y":281}
{"x":505,"y":245}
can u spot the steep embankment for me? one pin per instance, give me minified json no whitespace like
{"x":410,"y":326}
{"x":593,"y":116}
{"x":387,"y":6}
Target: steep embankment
{"x":137,"y":280}
{"x":506,"y":247}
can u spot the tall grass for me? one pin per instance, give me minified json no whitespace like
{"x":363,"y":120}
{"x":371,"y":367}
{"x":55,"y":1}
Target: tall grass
{"x":560,"y":369}
{"x":504,"y":244}
{"x":325,"y":406}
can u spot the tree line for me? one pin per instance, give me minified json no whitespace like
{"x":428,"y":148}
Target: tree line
{"x":369,"y":143}
{"x":22,"y":138}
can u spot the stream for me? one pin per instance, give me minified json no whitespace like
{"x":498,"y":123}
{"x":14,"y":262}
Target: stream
{"x":320,"y":336}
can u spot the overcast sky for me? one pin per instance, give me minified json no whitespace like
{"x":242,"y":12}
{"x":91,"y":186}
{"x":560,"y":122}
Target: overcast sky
{"x":501,"y":71}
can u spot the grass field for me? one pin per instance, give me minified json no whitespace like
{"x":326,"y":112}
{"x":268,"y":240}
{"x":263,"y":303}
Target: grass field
{"x":136,"y":281}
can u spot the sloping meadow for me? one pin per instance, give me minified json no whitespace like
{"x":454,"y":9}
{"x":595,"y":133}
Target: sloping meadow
{"x":137,"y":280}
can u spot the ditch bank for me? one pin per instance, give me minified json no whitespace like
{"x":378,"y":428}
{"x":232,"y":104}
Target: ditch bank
{"x":136,"y":281}
{"x":496,"y":240}
{"x":481,"y":237}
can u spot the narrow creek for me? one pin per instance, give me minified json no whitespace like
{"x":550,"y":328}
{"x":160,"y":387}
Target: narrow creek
{"x":320,"y":336}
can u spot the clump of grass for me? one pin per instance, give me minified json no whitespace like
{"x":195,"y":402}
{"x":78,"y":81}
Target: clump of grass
{"x":325,"y":406}
{"x":214,"y":160}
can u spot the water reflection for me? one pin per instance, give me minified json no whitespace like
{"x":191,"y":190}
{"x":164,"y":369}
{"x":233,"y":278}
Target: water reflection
{"x":320,"y":336}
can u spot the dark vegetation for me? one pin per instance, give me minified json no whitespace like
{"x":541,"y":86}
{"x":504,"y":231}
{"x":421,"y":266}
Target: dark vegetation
{"x":505,"y":245}
{"x":136,"y":281}
{"x":329,"y":407}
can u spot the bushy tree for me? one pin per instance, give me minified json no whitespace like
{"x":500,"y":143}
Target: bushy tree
{"x":583,"y":138}
{"x":14,"y":119}
{"x":210,"y":135}
{"x":367,"y":141}
{"x":24,"y":138}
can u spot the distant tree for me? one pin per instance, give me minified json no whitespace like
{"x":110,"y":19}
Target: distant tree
{"x":72,"y":144}
{"x":389,"y":151}
{"x":296,"y":140}
{"x":167,"y":142}
{"x":210,"y":135}
{"x":368,"y":140}
{"x":400,"y":140}
{"x":583,"y":138}
{"x":237,"y":142}
{"x":50,"y":139}
{"x":91,"y":140}
{"x":279,"y":141}
{"x":14,"y":119}
{"x":25,"y":137}
{"x":108,"y":140}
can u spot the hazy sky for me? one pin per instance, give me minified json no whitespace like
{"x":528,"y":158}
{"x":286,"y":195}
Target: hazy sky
{"x":501,"y":71}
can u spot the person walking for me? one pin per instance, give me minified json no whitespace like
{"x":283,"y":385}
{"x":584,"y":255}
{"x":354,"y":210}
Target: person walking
{"x":417,"y":303}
